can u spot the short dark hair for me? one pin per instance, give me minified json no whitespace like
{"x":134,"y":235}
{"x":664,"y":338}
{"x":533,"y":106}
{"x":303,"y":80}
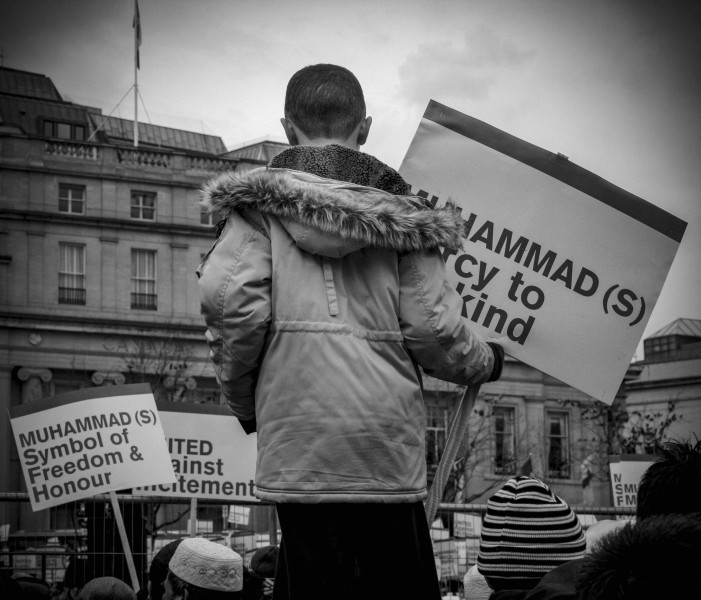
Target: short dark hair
{"x":324,"y":101}
{"x":672,"y":484}
{"x":654,"y":558}
{"x":194,"y":592}
{"x":158,"y":570}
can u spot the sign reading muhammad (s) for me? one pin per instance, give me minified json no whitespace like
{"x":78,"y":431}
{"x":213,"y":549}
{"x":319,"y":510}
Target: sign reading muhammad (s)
{"x":560,"y":266}
{"x":88,"y":442}
{"x":212,"y":456}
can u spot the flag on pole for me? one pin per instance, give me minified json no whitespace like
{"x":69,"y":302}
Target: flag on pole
{"x":137,"y":31}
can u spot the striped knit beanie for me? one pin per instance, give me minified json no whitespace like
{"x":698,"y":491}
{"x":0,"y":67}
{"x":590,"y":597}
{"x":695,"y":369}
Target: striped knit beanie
{"x":526,"y":532}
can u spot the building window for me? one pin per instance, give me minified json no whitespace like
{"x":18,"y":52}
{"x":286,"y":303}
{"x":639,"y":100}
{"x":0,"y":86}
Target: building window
{"x":71,"y":274}
{"x":143,"y":280}
{"x":143,"y":206}
{"x":557,"y":441}
{"x":206,"y":217}
{"x":437,"y":424}
{"x":71,"y":198}
{"x":64,"y":131}
{"x":660,"y":347}
{"x":503,"y":419}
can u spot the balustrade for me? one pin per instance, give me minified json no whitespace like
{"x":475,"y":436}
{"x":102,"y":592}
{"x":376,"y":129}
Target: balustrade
{"x":73,"y":150}
{"x":143,"y":158}
{"x":209,"y":165}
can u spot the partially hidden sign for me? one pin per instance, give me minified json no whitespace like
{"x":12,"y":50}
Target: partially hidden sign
{"x":90,"y":441}
{"x":627,"y":471}
{"x":212,"y":456}
{"x":560,"y":266}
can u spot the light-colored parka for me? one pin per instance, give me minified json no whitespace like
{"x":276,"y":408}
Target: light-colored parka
{"x":320,"y":299}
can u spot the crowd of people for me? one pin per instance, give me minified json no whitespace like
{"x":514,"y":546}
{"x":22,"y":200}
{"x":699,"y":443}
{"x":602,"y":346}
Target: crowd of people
{"x":184,"y":569}
{"x":532,"y":547}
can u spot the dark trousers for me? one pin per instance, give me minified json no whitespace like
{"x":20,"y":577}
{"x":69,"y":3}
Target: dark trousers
{"x":355,"y":551}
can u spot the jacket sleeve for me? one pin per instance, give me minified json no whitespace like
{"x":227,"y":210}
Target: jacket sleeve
{"x":435,"y":333}
{"x":235,"y":295}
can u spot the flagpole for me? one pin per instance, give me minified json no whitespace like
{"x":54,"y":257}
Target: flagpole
{"x":137,"y":26}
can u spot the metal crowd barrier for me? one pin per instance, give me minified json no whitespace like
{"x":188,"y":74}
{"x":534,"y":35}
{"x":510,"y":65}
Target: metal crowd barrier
{"x":69,"y":544}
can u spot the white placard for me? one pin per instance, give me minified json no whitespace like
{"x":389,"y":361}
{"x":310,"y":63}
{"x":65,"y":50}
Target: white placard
{"x":211,"y":454}
{"x":560,"y":266}
{"x":88,"y":442}
{"x":466,"y":525}
{"x":626,"y":472}
{"x":239,"y":515}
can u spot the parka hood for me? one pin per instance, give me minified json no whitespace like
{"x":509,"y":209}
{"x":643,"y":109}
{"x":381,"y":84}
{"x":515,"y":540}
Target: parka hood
{"x":332,"y":218}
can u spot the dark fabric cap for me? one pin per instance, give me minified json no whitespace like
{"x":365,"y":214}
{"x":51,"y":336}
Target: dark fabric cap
{"x":264,"y":561}
{"x":107,"y":588}
{"x":32,"y":587}
{"x":159,"y":566}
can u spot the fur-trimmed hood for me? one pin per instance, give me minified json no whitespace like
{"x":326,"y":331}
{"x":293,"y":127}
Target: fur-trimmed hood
{"x":332,"y":218}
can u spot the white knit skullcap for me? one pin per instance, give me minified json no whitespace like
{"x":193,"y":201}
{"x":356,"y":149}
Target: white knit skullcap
{"x":208,"y":565}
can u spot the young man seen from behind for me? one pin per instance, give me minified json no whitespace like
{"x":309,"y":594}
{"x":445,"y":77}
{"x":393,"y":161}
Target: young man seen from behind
{"x":323,"y":294}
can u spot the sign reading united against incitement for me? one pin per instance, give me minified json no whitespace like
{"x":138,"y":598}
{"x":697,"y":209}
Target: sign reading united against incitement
{"x":558,"y":265}
{"x":90,"y":441}
{"x":212,"y":456}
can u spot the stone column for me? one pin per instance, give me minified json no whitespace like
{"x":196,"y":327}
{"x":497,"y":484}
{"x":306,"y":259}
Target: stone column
{"x":533,"y":434}
{"x":5,"y":260}
{"x":33,"y":389}
{"x":103,"y":378}
{"x":181,"y":274}
{"x":36,"y":284}
{"x":108,"y":274}
{"x":6,"y":441}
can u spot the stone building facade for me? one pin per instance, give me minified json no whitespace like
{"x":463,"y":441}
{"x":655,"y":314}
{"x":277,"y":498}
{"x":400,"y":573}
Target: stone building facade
{"x":99,"y":242}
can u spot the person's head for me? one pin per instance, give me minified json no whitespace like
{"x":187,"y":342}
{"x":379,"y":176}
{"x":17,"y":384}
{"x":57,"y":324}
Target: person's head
{"x":264,"y":561}
{"x":203,"y":570}
{"x":672,"y":484}
{"x":526,"y":532}
{"x":599,"y":530}
{"x":324,"y":104}
{"x":9,"y":588}
{"x":158,"y":570}
{"x":106,"y":588}
{"x":475,"y":585}
{"x":263,"y":565}
{"x":32,"y":588}
{"x":656,"y":557}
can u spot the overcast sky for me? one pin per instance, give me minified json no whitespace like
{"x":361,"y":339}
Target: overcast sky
{"x":612,"y":84}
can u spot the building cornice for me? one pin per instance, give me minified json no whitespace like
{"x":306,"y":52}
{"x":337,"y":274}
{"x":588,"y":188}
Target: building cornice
{"x":193,"y":182}
{"x":121,"y":326}
{"x":663,"y":383}
{"x":151,"y":227}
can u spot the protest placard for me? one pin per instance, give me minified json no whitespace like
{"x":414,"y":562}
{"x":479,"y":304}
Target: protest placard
{"x":467,"y":525}
{"x":559,"y":265}
{"x":212,"y":456}
{"x":239,"y":515}
{"x":626,"y":472}
{"x":90,"y":441}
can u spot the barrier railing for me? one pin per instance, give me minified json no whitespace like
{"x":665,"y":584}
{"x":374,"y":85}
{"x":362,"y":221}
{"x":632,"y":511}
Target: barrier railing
{"x":74,"y":542}
{"x":70,"y":544}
